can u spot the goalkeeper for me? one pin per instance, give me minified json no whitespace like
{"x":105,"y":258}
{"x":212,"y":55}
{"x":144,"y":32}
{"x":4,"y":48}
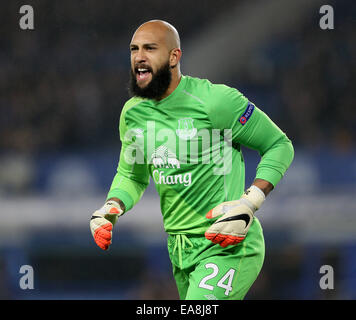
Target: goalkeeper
{"x":215,"y":240}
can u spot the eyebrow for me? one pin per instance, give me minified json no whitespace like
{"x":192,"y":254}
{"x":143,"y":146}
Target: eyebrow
{"x":145,"y":45}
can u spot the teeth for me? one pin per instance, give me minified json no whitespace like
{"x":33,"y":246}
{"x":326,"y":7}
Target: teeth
{"x":141,"y":70}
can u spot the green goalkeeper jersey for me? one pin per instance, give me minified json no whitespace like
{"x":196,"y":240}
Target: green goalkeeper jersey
{"x":189,"y":144}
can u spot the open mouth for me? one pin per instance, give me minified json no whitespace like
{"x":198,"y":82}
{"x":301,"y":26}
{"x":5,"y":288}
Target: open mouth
{"x":143,"y":74}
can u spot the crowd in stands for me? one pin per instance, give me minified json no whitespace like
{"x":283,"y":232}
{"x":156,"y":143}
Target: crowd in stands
{"x":63,"y":84}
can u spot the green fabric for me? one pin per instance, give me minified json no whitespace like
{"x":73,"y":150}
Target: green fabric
{"x":178,"y":142}
{"x":180,"y":243}
{"x":131,"y":180}
{"x":193,"y":263}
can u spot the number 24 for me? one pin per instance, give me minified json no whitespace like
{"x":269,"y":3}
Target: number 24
{"x":221,"y":283}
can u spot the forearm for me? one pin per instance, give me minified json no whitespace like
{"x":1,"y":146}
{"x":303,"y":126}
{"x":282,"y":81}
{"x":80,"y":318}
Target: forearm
{"x":264,"y":185}
{"x":127,"y":190}
{"x":275,"y":161}
{"x":274,"y":147}
{"x":130,"y":181}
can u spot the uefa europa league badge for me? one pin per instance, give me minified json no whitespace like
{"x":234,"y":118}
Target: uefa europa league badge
{"x":186,"y":129}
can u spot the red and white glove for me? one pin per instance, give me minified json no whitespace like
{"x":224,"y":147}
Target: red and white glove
{"x":102,"y":222}
{"x":236,"y":218}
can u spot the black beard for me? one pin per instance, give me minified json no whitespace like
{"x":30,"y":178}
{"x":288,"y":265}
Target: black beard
{"x":157,"y":86}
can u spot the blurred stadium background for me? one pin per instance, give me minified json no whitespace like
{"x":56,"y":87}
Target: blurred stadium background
{"x":62,"y":87}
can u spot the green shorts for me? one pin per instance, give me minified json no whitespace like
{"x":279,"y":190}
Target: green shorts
{"x":206,"y":271}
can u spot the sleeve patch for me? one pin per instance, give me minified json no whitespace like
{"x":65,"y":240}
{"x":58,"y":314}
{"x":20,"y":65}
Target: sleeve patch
{"x":247,"y":114}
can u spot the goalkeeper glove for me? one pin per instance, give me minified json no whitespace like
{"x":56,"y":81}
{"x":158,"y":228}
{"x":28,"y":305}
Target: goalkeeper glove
{"x":236,"y":218}
{"x":102,"y":222}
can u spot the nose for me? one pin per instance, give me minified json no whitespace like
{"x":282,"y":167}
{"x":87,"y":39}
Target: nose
{"x":139,"y":56}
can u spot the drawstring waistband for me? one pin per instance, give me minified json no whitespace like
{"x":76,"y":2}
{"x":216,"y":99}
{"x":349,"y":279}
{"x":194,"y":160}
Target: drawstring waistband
{"x":180,"y":242}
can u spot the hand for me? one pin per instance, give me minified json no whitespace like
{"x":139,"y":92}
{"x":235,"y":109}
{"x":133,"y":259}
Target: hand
{"x":236,"y":218}
{"x":102,"y":222}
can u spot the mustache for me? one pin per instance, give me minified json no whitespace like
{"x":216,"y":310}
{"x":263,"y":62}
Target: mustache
{"x":142,"y":66}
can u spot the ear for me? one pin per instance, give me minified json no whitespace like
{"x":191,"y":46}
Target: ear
{"x":174,"y":58}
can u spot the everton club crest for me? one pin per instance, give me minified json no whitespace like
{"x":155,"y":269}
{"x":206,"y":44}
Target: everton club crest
{"x":186,"y":128}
